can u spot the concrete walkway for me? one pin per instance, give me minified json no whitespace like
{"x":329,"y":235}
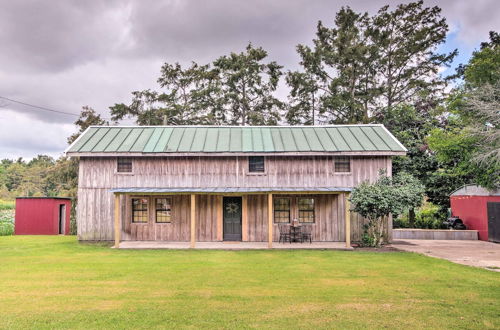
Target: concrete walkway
{"x":232,"y":245}
{"x":471,"y":253}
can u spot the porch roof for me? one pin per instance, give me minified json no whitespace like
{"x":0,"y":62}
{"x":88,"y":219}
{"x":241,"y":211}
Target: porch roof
{"x":224,"y":190}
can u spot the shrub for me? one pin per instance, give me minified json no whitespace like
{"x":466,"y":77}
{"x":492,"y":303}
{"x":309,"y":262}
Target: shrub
{"x":6,"y":228}
{"x":387,"y":195}
{"x":400,"y":222}
{"x":6,"y":222}
{"x":429,"y":216}
{"x":7,"y":205}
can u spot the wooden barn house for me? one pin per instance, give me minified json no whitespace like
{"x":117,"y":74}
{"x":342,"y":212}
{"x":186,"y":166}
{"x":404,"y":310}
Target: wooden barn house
{"x":225,"y":183}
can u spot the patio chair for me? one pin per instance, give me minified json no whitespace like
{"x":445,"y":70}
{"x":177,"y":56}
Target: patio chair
{"x":284,"y":233}
{"x":306,"y":233}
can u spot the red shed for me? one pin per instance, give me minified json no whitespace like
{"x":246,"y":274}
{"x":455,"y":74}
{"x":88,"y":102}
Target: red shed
{"x":479,"y":209}
{"x":42,"y":215}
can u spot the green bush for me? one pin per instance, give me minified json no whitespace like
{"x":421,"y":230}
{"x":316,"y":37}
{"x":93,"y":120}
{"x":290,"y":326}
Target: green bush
{"x":400,"y":222}
{"x":6,"y":222}
{"x":429,"y":216}
{"x":7,"y":205}
{"x":6,"y":228}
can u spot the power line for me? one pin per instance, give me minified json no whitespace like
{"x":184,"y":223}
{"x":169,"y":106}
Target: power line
{"x":43,"y":108}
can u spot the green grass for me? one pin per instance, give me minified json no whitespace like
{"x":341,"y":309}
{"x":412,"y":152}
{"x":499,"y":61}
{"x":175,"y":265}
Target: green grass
{"x":55,"y":282}
{"x":7,"y":205}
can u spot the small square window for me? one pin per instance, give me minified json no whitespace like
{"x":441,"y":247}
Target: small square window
{"x":256,"y":164}
{"x":342,"y":164}
{"x":124,"y":165}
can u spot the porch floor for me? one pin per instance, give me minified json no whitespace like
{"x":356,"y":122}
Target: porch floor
{"x":232,"y":245}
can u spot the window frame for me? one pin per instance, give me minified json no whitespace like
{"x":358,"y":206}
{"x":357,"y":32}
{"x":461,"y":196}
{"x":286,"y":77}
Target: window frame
{"x":117,"y":168}
{"x":249,"y":172}
{"x":279,"y":210}
{"x":170,"y":199}
{"x":337,"y":158}
{"x":303,"y":210}
{"x":132,"y":211}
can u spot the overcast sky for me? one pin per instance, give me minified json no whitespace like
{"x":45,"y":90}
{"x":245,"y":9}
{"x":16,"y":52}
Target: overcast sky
{"x":66,"y":54}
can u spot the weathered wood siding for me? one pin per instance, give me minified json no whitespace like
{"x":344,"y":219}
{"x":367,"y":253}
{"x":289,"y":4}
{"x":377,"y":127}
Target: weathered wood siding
{"x":289,"y":172}
{"x":329,"y":217}
{"x":98,"y":175}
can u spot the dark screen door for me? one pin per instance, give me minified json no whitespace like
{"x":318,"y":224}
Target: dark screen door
{"x":232,"y":218}
{"x":494,"y":222}
{"x":62,"y":219}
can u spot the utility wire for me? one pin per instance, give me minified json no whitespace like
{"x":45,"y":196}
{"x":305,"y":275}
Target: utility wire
{"x":43,"y":108}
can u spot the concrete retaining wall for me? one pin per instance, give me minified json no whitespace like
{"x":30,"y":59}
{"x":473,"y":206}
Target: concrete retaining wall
{"x":436,"y":234}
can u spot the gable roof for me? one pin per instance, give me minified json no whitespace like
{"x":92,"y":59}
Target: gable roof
{"x":474,"y":190}
{"x":168,"y":140}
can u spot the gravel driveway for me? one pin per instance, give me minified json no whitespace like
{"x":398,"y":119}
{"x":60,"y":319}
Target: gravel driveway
{"x":471,"y":253}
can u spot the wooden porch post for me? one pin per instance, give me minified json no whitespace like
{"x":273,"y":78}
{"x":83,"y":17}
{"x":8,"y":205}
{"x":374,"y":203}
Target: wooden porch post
{"x":347,"y":206}
{"x":244,"y":218}
{"x":270,"y":220}
{"x":219,"y":217}
{"x":193,"y":220}
{"x":118,"y":227}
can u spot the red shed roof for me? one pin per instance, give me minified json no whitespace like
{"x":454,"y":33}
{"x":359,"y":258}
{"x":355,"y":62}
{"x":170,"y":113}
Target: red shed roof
{"x":474,"y":190}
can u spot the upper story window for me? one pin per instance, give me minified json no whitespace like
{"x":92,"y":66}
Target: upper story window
{"x":124,"y":165}
{"x":342,"y":164}
{"x":256,"y":164}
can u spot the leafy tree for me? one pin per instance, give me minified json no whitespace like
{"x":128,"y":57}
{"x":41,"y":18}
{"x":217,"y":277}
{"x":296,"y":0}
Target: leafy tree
{"x":184,"y":98}
{"x":407,"y":39}
{"x":236,"y":89}
{"x":88,"y":117}
{"x":411,"y":126}
{"x":484,"y":105}
{"x":365,"y":64}
{"x":386,"y":196}
{"x":484,"y":65}
{"x":467,"y":147}
{"x":338,"y":73}
{"x":247,"y":87}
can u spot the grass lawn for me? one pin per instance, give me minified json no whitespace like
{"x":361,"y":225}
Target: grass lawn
{"x":55,"y":282}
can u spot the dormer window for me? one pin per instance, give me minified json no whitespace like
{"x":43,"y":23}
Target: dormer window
{"x":124,"y":165}
{"x":256,"y":164}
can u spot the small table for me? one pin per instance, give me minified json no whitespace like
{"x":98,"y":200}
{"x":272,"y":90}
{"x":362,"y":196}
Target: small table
{"x":295,"y":234}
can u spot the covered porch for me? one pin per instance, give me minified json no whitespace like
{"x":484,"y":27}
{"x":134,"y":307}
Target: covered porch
{"x":200,"y":218}
{"x":233,"y":245}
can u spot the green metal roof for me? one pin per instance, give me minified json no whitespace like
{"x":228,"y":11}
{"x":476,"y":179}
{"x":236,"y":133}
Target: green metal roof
{"x":235,"y":139}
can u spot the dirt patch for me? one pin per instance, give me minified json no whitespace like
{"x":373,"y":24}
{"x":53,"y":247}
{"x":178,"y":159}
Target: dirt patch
{"x":383,"y":249}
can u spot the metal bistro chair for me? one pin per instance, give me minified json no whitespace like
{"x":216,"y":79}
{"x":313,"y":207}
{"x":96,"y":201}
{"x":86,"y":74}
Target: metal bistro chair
{"x":284,"y":230}
{"x":306,"y":233}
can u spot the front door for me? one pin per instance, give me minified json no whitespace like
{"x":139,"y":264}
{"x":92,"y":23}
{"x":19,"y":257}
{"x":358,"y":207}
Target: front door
{"x":494,"y":221}
{"x":232,"y":218}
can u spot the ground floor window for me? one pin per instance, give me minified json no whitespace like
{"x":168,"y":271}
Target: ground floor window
{"x":140,"y":210}
{"x":163,"y":210}
{"x":281,"y":210}
{"x":306,"y":210}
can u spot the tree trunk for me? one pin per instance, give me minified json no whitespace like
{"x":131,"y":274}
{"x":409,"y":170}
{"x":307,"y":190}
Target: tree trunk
{"x":313,"y":119}
{"x":411,"y":217}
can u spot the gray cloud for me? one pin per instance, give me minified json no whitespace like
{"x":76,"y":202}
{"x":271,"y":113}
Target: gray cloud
{"x":65,"y":54}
